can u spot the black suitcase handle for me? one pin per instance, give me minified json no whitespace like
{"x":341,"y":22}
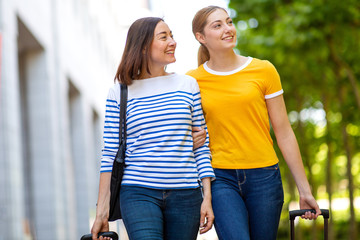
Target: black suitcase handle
{"x":296,"y":213}
{"x":113,"y":235}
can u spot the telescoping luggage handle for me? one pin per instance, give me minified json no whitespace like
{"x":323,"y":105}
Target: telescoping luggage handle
{"x":296,"y":213}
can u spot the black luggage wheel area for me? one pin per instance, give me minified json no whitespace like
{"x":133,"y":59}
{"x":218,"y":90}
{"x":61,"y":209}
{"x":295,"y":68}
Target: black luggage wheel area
{"x":113,"y":235}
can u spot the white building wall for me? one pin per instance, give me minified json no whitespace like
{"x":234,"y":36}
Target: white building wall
{"x":58,"y":60}
{"x":10,"y":177}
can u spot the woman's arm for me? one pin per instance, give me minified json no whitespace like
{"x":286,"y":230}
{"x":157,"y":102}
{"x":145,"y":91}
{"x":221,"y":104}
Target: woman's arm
{"x":290,"y":150}
{"x":110,"y":148}
{"x":202,"y":157}
{"x":202,"y":154}
{"x":207,"y":214}
{"x":101,"y":223}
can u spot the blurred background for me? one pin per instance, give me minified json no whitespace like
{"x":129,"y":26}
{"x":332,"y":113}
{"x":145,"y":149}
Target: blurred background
{"x":58,"y":59}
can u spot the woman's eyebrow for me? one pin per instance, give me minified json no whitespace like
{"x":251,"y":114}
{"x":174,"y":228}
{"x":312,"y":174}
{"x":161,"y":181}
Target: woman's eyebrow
{"x":164,"y":32}
{"x":220,"y":20}
{"x":216,"y":21}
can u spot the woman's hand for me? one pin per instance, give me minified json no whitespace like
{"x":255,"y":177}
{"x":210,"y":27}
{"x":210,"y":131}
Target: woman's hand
{"x":206,"y":216}
{"x":309,"y":202}
{"x":199,"y":137}
{"x":100,"y":225}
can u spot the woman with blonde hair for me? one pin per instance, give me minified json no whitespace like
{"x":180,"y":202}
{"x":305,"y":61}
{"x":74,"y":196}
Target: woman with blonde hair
{"x":240,"y":97}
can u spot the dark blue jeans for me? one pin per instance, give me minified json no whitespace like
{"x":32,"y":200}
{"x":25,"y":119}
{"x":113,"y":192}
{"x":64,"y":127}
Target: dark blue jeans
{"x":247,"y":203}
{"x":160,"y":214}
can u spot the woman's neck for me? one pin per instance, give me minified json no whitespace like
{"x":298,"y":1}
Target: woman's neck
{"x":154,"y":72}
{"x":225,"y":61}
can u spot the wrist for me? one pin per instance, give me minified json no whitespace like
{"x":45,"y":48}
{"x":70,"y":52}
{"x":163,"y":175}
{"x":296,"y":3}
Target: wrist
{"x":102,"y":216}
{"x":305,"y":196}
{"x":304,"y":192}
{"x":102,"y":213}
{"x":207,"y":197}
{"x":304,"y":189}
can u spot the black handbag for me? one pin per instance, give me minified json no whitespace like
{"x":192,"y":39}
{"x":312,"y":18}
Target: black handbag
{"x":119,"y":162}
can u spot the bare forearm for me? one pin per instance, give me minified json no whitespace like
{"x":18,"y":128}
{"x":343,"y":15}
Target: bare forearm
{"x":206,"y":213}
{"x":206,"y":182}
{"x":291,"y":153}
{"x":101,"y":223}
{"x":103,"y":203}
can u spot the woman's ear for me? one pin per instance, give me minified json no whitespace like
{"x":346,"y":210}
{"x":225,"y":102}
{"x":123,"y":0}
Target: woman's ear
{"x":200,"y":37}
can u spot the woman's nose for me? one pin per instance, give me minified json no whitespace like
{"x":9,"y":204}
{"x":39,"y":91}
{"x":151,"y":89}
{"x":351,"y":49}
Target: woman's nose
{"x":227,"y":28}
{"x":172,"y":42}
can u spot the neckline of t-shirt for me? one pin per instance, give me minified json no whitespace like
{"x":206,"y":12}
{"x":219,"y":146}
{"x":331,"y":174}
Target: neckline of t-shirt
{"x":169,"y":75}
{"x":209,"y":70}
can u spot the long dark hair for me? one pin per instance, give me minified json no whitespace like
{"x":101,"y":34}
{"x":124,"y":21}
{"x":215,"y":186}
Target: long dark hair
{"x":136,"y":54}
{"x":198,"y":24}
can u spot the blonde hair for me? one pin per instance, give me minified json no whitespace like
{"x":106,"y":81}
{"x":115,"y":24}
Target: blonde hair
{"x":198,"y":24}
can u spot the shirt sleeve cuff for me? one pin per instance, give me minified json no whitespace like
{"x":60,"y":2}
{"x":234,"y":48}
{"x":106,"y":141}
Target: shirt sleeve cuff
{"x":274,"y":94}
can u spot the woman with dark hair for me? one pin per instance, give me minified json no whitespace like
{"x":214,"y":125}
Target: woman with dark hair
{"x":160,"y":194}
{"x":240,"y":97}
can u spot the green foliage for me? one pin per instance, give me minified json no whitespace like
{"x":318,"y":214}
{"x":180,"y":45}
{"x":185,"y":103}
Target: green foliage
{"x":315,"y":46}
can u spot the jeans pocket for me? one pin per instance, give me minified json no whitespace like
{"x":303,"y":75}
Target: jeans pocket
{"x":269,"y":173}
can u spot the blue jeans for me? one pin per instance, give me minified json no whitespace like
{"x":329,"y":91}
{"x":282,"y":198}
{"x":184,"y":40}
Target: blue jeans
{"x":160,"y":214}
{"x":247,"y":203}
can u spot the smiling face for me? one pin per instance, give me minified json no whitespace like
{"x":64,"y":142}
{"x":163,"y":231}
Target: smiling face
{"x":219,"y":32}
{"x":162,"y":49}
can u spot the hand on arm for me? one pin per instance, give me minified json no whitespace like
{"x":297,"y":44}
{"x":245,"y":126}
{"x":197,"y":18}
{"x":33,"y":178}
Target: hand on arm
{"x":101,"y":223}
{"x":206,"y":212}
{"x":290,"y":150}
{"x":199,"y":137}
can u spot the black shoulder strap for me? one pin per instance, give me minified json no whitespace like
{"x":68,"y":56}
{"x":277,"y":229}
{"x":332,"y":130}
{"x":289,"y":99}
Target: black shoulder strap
{"x":120,"y":156}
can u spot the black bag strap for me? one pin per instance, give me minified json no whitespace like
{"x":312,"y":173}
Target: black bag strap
{"x":120,"y":155}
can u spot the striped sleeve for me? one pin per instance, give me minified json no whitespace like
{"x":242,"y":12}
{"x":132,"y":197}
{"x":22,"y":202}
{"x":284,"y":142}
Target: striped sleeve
{"x":202,"y":154}
{"x":111,"y":132}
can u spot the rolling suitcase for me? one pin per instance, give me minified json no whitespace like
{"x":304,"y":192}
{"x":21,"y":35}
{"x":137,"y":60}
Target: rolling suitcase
{"x":113,"y":235}
{"x":295,"y":213}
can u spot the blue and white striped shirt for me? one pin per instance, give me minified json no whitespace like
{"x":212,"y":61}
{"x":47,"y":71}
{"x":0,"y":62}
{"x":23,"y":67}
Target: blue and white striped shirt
{"x":161,"y":112}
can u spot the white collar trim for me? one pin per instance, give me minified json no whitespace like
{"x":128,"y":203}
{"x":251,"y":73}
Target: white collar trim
{"x":209,"y":70}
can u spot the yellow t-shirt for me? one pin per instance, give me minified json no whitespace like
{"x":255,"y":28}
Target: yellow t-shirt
{"x":236,"y":113}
